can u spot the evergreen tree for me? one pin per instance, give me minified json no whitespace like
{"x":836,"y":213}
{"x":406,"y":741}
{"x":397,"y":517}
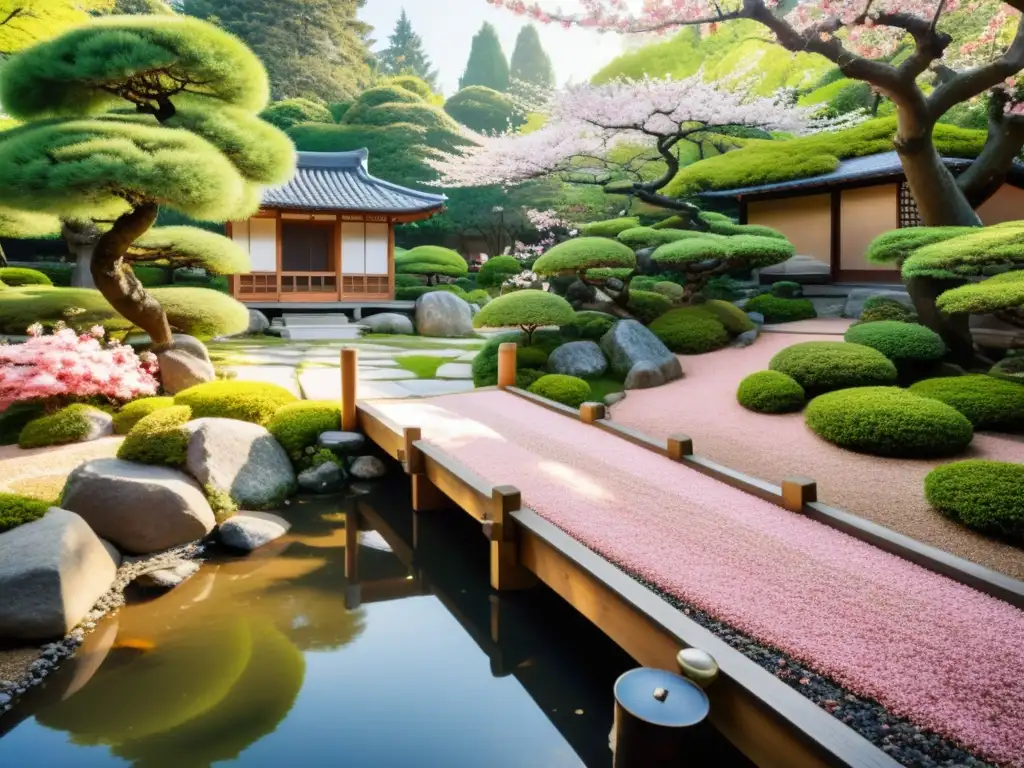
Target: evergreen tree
{"x":23,"y":22}
{"x":487,"y":64}
{"x":405,"y":55}
{"x":530,"y":62}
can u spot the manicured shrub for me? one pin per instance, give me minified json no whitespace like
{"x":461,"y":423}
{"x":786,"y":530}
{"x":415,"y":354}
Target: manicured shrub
{"x":912,"y":348}
{"x":609,"y":227}
{"x":1003,"y":292}
{"x":158,"y":438}
{"x":1009,"y":368}
{"x":431,"y":260}
{"x":59,"y":272}
{"x":690,"y":331}
{"x":528,"y":309}
{"x":776,"y":310}
{"x":298,"y":425}
{"x":411,"y":294}
{"x":787,"y":289}
{"x":987,"y":496}
{"x":288,"y":112}
{"x":971,"y":254}
{"x":896,"y":246}
{"x":884,"y":308}
{"x":590,"y":325}
{"x":525,"y":377}
{"x":533,"y":356}
{"x":988,"y":402}
{"x":14,"y":419}
{"x":585,"y":253}
{"x":889,"y":421}
{"x":467,"y":284}
{"x":638,"y":238}
{"x":253,"y":401}
{"x":483,"y":110}
{"x":411,"y":281}
{"x":722,"y":288}
{"x":136,"y":410}
{"x":567,"y":390}
{"x":68,"y":425}
{"x":497,"y":270}
{"x":732,"y":317}
{"x":648,"y":306}
{"x":770,"y":392}
{"x":480,"y":297}
{"x":644,"y":283}
{"x":15,"y":277}
{"x":17,"y":510}
{"x":681,"y":255}
{"x":822,"y":366}
{"x":201,"y":312}
{"x":671,"y":291}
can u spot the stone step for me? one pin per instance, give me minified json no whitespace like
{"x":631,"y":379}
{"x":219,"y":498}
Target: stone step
{"x":326,"y":319}
{"x":323,"y":333}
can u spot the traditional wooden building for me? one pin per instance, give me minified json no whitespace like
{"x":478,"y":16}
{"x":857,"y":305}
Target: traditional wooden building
{"x":327,"y":237}
{"x":832,"y":218}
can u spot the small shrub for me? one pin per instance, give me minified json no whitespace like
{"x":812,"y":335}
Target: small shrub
{"x":431,"y":260}
{"x":497,"y":270}
{"x":531,"y":357}
{"x":888,"y":421}
{"x":68,"y":425}
{"x":567,"y":390}
{"x":17,"y":510}
{"x":648,"y":306}
{"x":18,"y":276}
{"x":609,"y":227}
{"x":158,"y":438}
{"x":59,"y":272}
{"x":770,"y":392}
{"x":987,"y":496}
{"x":411,"y":294}
{"x":480,"y":297}
{"x":732,"y":317}
{"x":644,"y":283}
{"x":878,"y":308}
{"x":14,"y":419}
{"x":298,"y":425}
{"x":131,"y":413}
{"x":787,"y":289}
{"x":223,"y":506}
{"x":823,"y":366}
{"x":912,"y":348}
{"x":690,"y":331}
{"x":590,"y":325}
{"x":776,"y":310}
{"x":525,"y":377}
{"x":988,"y":402}
{"x":252,"y":401}
{"x":721,"y":288}
{"x":528,"y":309}
{"x":671,"y":291}
{"x":412,"y":281}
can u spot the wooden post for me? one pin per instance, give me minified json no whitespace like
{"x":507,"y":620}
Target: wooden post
{"x":506,"y":572}
{"x":425,"y":495}
{"x":349,"y":382}
{"x":679,"y":446}
{"x":591,"y":412}
{"x":506,"y":365}
{"x":797,"y":491}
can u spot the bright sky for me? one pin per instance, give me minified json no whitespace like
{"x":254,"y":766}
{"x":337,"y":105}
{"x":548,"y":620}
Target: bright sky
{"x":447,"y":28}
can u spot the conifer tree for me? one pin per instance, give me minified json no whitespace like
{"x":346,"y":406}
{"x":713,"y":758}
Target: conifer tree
{"x":530,"y":62}
{"x":487,"y":64}
{"x":405,"y":55}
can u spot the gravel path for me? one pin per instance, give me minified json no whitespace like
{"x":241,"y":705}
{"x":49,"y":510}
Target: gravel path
{"x":887,"y":491}
{"x":46,"y":469}
{"x":878,"y":625}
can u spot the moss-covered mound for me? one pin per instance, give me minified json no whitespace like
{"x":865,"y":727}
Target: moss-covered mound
{"x":822,"y":366}
{"x":787,"y":289}
{"x":1009,"y":369}
{"x":68,"y":425}
{"x":609,"y":227}
{"x":648,"y":306}
{"x":779,"y":310}
{"x":18,"y":276}
{"x":17,"y":510}
{"x":888,"y":421}
{"x":969,"y":255}
{"x":770,"y":392}
{"x":672,"y":291}
{"x":589,"y":325}
{"x":525,"y":377}
{"x":298,"y":425}
{"x":690,"y":331}
{"x":912,"y":348}
{"x":878,"y":308}
{"x":585,"y":253}
{"x":526,"y":309}
{"x":252,"y":401}
{"x":998,"y":293}
{"x":497,"y":270}
{"x":431,"y":260}
{"x":732,"y":317}
{"x":989,"y":402}
{"x":158,"y":438}
{"x":648,"y":237}
{"x":567,"y":390}
{"x":133,"y":412}
{"x":987,"y":496}
{"x":896,"y":246}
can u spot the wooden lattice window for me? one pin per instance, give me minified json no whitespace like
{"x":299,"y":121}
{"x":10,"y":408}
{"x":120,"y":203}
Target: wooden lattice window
{"x":910,"y":216}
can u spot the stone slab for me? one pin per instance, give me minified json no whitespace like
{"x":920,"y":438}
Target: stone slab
{"x":455,"y":371}
{"x":385,"y":374}
{"x":432,"y":352}
{"x":435,"y":387}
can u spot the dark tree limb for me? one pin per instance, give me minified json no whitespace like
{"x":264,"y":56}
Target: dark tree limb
{"x":965,"y":85}
{"x":1002,"y":146}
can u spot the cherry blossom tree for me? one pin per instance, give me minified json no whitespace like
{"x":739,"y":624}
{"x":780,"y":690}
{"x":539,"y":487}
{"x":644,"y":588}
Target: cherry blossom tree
{"x":858,"y":36}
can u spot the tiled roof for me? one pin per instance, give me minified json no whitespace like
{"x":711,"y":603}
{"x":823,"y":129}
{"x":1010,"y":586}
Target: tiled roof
{"x":340,"y":181}
{"x":882,"y":166}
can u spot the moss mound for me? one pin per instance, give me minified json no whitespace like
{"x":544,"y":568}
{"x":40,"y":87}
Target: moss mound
{"x":671,"y":291}
{"x":252,"y":401}
{"x":878,"y":308}
{"x":823,"y":366}
{"x":609,"y":227}
{"x":68,"y":425}
{"x":14,"y":419}
{"x":497,"y":270}
{"x":1009,"y":369}
{"x":690,"y":331}
{"x":987,"y":496}
{"x":888,"y":421}
{"x":133,"y":412}
{"x":431,"y":260}
{"x":18,"y":276}
{"x":567,"y":390}
{"x":589,"y":325}
{"x":158,"y":438}
{"x":638,"y":238}
{"x":17,"y":510}
{"x":770,"y":392}
{"x":787,"y":289}
{"x":298,"y":425}
{"x":779,"y":310}
{"x":988,"y":402}
{"x":525,"y":377}
{"x":732,"y":317}
{"x":585,"y":253}
{"x":648,"y":306}
{"x":911,"y":347}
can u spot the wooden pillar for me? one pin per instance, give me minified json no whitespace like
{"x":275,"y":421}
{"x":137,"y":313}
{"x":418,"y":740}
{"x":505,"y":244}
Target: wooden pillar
{"x":349,"y":382}
{"x":506,"y":572}
{"x":506,"y":365}
{"x":797,"y":491}
{"x":679,"y":446}
{"x":591,"y":412}
{"x":426,"y":497}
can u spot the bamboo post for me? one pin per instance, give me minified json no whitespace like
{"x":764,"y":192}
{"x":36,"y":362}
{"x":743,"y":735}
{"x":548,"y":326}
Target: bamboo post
{"x":591,"y":412}
{"x":349,"y":382}
{"x":797,"y":491}
{"x":506,"y":365}
{"x":506,"y":572}
{"x":679,"y":447}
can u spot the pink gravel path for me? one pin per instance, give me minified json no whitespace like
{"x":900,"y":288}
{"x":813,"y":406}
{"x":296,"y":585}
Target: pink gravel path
{"x":943,"y":655}
{"x":888,"y":491}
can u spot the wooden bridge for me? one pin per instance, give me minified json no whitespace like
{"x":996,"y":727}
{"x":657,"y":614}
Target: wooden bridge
{"x":639,"y":535}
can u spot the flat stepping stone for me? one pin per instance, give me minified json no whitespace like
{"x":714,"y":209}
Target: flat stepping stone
{"x":432,"y":352}
{"x":341,"y":442}
{"x":435,"y":387}
{"x":383,"y":390}
{"x":455,"y":371}
{"x":385,"y":374}
{"x":469,"y":357}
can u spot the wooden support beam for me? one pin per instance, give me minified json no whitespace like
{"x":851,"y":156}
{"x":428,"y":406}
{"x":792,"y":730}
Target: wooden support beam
{"x":427,"y":497}
{"x":411,"y":455}
{"x":507,"y":365}
{"x":591,"y":412}
{"x":349,"y":382}
{"x":506,"y":571}
{"x":798,"y":491}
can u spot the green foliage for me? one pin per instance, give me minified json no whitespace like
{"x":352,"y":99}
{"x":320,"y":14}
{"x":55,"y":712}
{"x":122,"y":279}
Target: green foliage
{"x":201,"y":312}
{"x":158,"y":438}
{"x":525,"y":377}
{"x":787,"y":289}
{"x":585,"y":253}
{"x":431,"y":260}
{"x":416,"y":85}
{"x":609,"y":227}
{"x":487,"y":64}
{"x":467,"y":283}
{"x":896,"y":246}
{"x":298,"y":425}
{"x":409,"y":281}
{"x":690,"y":331}
{"x":911,"y":347}
{"x":535,"y":355}
{"x":14,"y":277}
{"x":671,"y":291}
{"x":190,"y":247}
{"x":822,"y":366}
{"x":756,"y":251}
{"x":424,"y":366}
{"x":590,"y":325}
{"x":386,"y":94}
{"x":288,"y":112}
{"x":722,"y":288}
{"x":405,"y":56}
{"x":987,"y":496}
{"x":770,"y":392}
{"x":252,"y":401}
{"x":1002,"y":292}
{"x":989,"y":403}
{"x":528,"y":309}
{"x":497,"y":269}
{"x":131,"y":413}
{"x":567,"y":390}
{"x":976,"y":253}
{"x":888,"y":421}
{"x":483,"y":109}
{"x":17,"y":510}
{"x":878,"y":308}
{"x":68,"y":425}
{"x":683,"y":254}
{"x":731,"y":229}
{"x":1009,"y":369}
{"x":732,"y":317}
{"x":648,"y":306}
{"x":14,"y":419}
{"x":648,"y":237}
{"x":530,"y":62}
{"x":59,"y":273}
{"x":221,"y":503}
{"x":776,"y":310}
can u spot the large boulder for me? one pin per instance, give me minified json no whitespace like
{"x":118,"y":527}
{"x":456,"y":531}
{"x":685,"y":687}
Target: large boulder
{"x":244,"y":460}
{"x":629,"y":344}
{"x":140,"y":508}
{"x":855,"y":300}
{"x":101,"y":424}
{"x":52,"y":572}
{"x":443,"y":314}
{"x":644,"y":376}
{"x":578,"y":358}
{"x":388,"y":322}
{"x":184,"y":364}
{"x":368,"y":468}
{"x":258,"y":323}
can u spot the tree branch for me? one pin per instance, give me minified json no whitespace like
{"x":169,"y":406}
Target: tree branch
{"x":968,"y":84}
{"x":1004,"y":142}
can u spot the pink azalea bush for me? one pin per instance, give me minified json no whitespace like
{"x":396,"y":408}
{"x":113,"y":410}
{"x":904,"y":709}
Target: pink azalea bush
{"x":66,"y":366}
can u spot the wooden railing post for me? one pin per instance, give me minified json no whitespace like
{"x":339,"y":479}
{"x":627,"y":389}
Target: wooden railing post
{"x":679,"y":446}
{"x":349,"y":383}
{"x":506,"y":365}
{"x":797,"y":491}
{"x":425,"y":495}
{"x":591,"y":412}
{"x":506,"y":572}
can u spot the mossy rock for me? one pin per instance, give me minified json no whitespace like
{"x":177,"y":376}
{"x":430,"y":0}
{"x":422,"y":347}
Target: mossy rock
{"x":131,"y":413}
{"x":987,"y":496}
{"x":988,"y":402}
{"x":690,"y":331}
{"x":567,"y":390}
{"x":17,"y":510}
{"x":159,"y":438}
{"x":252,"y":401}
{"x":778,"y":310}
{"x":68,"y":425}
{"x":671,"y":291}
{"x":298,"y":425}
{"x":823,"y":366}
{"x":770,"y":392}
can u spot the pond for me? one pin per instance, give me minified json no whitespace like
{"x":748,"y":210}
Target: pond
{"x":367,"y":637}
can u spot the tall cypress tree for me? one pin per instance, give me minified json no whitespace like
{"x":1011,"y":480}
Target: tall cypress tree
{"x":487,"y":64}
{"x":530,"y":62}
{"x":405,"y":55}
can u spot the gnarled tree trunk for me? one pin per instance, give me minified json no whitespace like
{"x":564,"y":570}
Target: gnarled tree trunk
{"x":81,"y":237}
{"x":955,"y":330}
